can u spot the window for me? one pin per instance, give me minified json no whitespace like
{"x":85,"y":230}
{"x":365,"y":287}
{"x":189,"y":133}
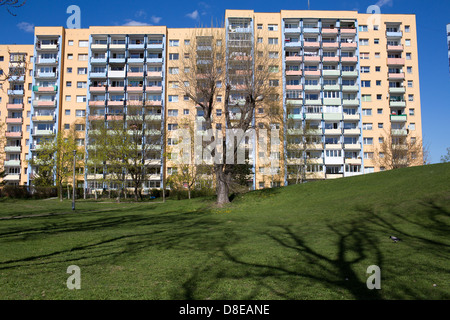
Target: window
{"x":366,"y":112}
{"x":368,"y":141}
{"x":70,"y":56}
{"x":379,"y":96}
{"x":411,"y":97}
{"x":380,"y":140}
{"x":407,"y":29}
{"x":380,"y":111}
{"x":68,"y":84}
{"x":83,"y":43}
{"x":172,"y":126}
{"x":363,"y":28}
{"x":274,"y":69}
{"x":67,"y":112}
{"x":187,"y":42}
{"x":260,"y":40}
{"x":82,"y":70}
{"x":186,"y":97}
{"x":365,"y":69}
{"x":408,"y":56}
{"x":259,"y":26}
{"x":79,"y":127}
{"x":365,"y":84}
{"x":411,"y":112}
{"x":68,"y":98}
{"x":66,"y":126}
{"x":366,"y":97}
{"x":367,"y":126}
{"x":376,"y":41}
{"x":377,"y":55}
{"x":174,"y":56}
{"x":83,"y":57}
{"x":80,"y":113}
{"x":172,"y":113}
{"x":81,"y":98}
{"x":173,"y":98}
{"x":273,"y":27}
{"x":273,"y":83}
{"x":363,"y":42}
{"x":369,"y":169}
{"x":70,"y":42}
{"x":218,"y":112}
{"x":380,"y":125}
{"x":364,"y":55}
{"x":273,"y":55}
{"x":410,"y":83}
{"x":368,"y":155}
{"x":273,"y":40}
{"x":378,"y":82}
{"x":2,"y":58}
{"x":408,"y":42}
{"x":412,"y":126}
{"x":174,"y":43}
{"x":376,"y":28}
{"x":409,"y":69}
{"x":69,"y":70}
{"x":186,"y":112}
{"x":173,"y":70}
{"x":219,"y":98}
{"x":377,"y":69}
{"x":81,"y":84}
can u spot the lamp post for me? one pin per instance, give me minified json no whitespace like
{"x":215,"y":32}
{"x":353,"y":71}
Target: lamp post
{"x":73,"y":181}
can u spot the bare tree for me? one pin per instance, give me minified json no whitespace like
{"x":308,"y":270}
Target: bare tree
{"x":18,"y":67}
{"x":239,"y":75}
{"x":399,"y":149}
{"x":9,"y":4}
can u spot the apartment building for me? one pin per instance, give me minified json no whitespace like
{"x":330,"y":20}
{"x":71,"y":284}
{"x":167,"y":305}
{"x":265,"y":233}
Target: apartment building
{"x":352,"y":83}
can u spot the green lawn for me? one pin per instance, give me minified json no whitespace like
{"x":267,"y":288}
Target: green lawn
{"x":311,"y":241}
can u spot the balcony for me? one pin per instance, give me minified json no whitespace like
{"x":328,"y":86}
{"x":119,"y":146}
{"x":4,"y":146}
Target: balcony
{"x":331,"y":87}
{"x":40,"y":46}
{"x":46,"y":61}
{"x":136,"y":60}
{"x":349,"y":59}
{"x":294,"y":72}
{"x":312,"y":58}
{"x":97,"y":89}
{"x":350,"y":74}
{"x":332,"y":116}
{"x":314,"y":73}
{"x":18,"y":78}
{"x":117,"y":74}
{"x":310,"y":102}
{"x":117,"y":60}
{"x":314,"y":146}
{"x":394,"y":34}
{"x":98,"y":60}
{"x":333,"y":132}
{"x":332,"y":101}
{"x":350,"y":88}
{"x":96,"y":117}
{"x":330,"y":59}
{"x":15,"y":92}
{"x":135,"y":74}
{"x":292,"y":30}
{"x":308,"y":44}
{"x":135,"y":89}
{"x":350,"y":102}
{"x":156,"y":103}
{"x":154,"y":75}
{"x":155,"y":46}
{"x":45,"y":75}
{"x":397,"y":89}
{"x":294,"y":87}
{"x":154,"y":89}
{"x":398,"y":118}
{"x":395,"y":61}
{"x":13,"y":149}
{"x":99,"y":46}
{"x":348,"y":31}
{"x":44,"y":103}
{"x":43,"y":132}
{"x":117,"y":46}
{"x":333,"y":146}
{"x":115,"y":103}
{"x":14,"y":120}
{"x":13,"y":134}
{"x":155,"y":60}
{"x":353,"y":161}
{"x":313,"y":116}
{"x":294,"y":132}
{"x":39,"y":118}
{"x":12,"y":163}
{"x":97,"y":103}
{"x":116,"y":89}
{"x":312,"y":30}
{"x":395,"y":48}
{"x":14,"y":106}
{"x":331,"y":73}
{"x":330,"y":45}
{"x":139,"y":46}
{"x":399,"y":132}
{"x":95,"y":74}
{"x":313,"y":87}
{"x":397,"y":103}
{"x":293,"y":44}
{"x":294,"y":58}
{"x":351,"y":116}
{"x":329,"y":31}
{"x":295,"y":116}
{"x":45,"y":89}
{"x":349,"y":45}
{"x":396,"y":76}
{"x":294,"y":102}
{"x":353,"y":146}
{"x":352,"y":132}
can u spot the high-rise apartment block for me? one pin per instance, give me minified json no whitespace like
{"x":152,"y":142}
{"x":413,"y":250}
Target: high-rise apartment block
{"x":349,"y":80}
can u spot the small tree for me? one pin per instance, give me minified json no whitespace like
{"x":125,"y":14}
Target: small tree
{"x":9,"y":4}
{"x":446,"y":158}
{"x":399,"y":151}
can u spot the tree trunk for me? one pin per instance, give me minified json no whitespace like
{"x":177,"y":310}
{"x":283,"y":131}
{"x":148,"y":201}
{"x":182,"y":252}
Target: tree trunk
{"x":222,"y":187}
{"x":189,"y":193}
{"x":60,"y":192}
{"x":68,"y":192}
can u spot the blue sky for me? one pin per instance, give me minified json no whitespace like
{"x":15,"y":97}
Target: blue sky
{"x":432,"y":17}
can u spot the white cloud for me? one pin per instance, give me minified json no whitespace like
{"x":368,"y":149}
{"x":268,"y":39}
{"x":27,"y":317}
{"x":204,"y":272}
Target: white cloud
{"x":130,"y":22}
{"x":140,"y":14}
{"x":381,"y":3}
{"x":25,"y":26}
{"x":194,"y":15}
{"x":155,"y":19}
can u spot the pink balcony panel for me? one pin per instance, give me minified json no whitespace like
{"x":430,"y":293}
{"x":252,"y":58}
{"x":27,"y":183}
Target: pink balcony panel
{"x":14,"y":120}
{"x":312,"y":73}
{"x":93,"y":118}
{"x":349,"y":59}
{"x":348,"y":31}
{"x":46,"y":103}
{"x":311,"y":44}
{"x":96,"y":103}
{"x":294,"y":58}
{"x":395,"y":48}
{"x":14,"y":134}
{"x":135,"y":89}
{"x":348,"y":45}
{"x":312,"y":58}
{"x":114,"y":118}
{"x":330,"y":44}
{"x":329,"y":31}
{"x":154,"y":74}
{"x":396,"y":76}
{"x":115,"y":103}
{"x":331,"y":59}
{"x":154,"y":103}
{"x":294,"y":87}
{"x":293,"y":73}
{"x":396,"y":61}
{"x":135,"y":74}
{"x":46,"y":89}
{"x":97,"y":89}
{"x":116,"y":89}
{"x":12,"y":106}
{"x":154,"y":89}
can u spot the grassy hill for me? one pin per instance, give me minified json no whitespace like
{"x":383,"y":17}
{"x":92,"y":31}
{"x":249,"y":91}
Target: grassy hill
{"x":311,"y":241}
